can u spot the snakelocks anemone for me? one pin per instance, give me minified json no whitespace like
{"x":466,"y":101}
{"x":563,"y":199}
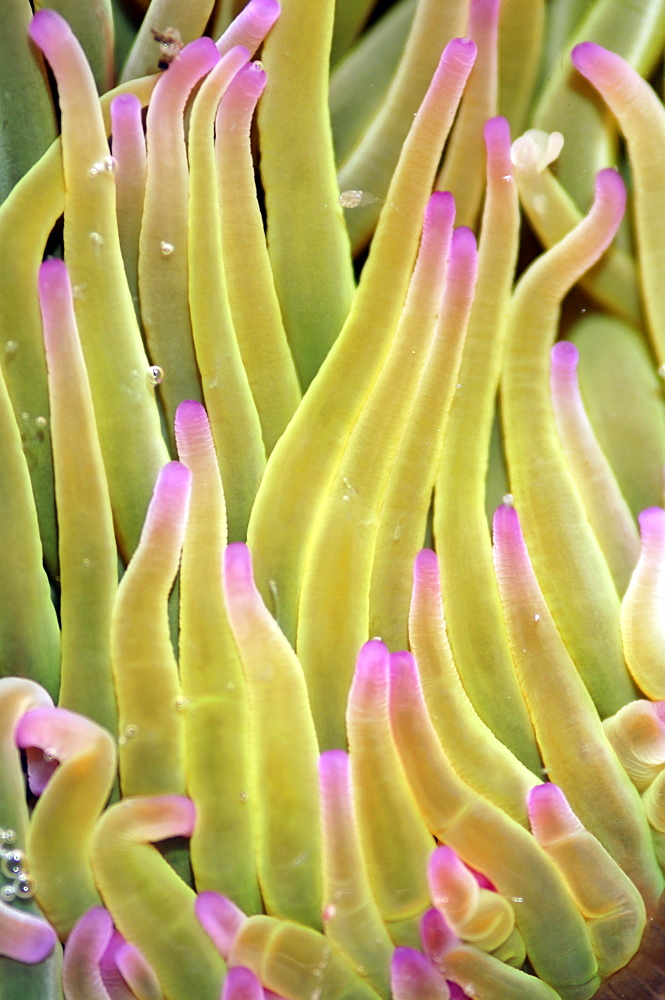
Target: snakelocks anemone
{"x":332,"y":594}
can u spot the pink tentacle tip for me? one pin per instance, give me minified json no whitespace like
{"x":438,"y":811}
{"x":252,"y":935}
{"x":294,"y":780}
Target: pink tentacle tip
{"x":87,"y":953}
{"x":251,"y":79}
{"x":368,"y":695}
{"x":126,"y":115}
{"x":652,"y":524}
{"x":53,"y":277}
{"x":463,"y":50}
{"x":565,"y":356}
{"x":506,"y":526}
{"x":242,"y":984}
{"x":333,"y":768}
{"x":585,"y":56}
{"x":463,"y":248}
{"x":412,"y":977}
{"x":136,"y":970}
{"x":550,"y":815}
{"x":201,"y":50}
{"x":170,"y":498}
{"x":125,"y":105}
{"x":440,"y":209}
{"x":436,"y":936}
{"x":182,"y":812}
{"x":372,"y":662}
{"x":47,"y":28}
{"x":24,"y":937}
{"x":496,"y":133}
{"x":238,"y":572}
{"x":174,"y":476}
{"x":443,"y":862}
{"x":426,"y":563}
{"x":266,"y":10}
{"x":402,"y":666}
{"x":405,"y":692}
{"x":190,"y":415}
{"x":220,"y":918}
{"x":610,"y":189}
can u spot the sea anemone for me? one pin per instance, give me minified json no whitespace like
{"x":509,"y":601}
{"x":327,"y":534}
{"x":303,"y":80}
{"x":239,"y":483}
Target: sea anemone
{"x":332,"y":640}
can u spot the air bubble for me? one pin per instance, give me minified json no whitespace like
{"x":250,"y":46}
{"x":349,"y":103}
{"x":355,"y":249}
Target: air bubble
{"x":243,"y":796}
{"x":49,"y":754}
{"x":7,"y":836}
{"x":166,"y":248}
{"x":8,"y":893}
{"x":180,"y":703}
{"x":86,"y":563}
{"x":257,"y":65}
{"x":108,"y":165}
{"x":536,"y":618}
{"x":11,"y":347}
{"x":24,"y":886}
{"x":96,"y":239}
{"x":517,"y":899}
{"x":356,"y":199}
{"x":230,"y":686}
{"x":131,"y":731}
{"x":508,"y":500}
{"x":12,"y":863}
{"x":155,"y":374}
{"x":41,"y":421}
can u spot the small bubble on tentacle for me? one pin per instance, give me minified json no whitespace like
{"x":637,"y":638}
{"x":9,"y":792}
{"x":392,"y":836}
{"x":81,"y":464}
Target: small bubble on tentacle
{"x":356,"y":199}
{"x":166,"y":248}
{"x":108,"y":165}
{"x":96,"y":239}
{"x":11,"y":347}
{"x":508,"y":499}
{"x":12,"y":863}
{"x":155,"y":375}
{"x":24,"y":886}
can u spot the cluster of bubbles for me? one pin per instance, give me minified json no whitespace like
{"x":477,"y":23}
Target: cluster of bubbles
{"x":108,"y":165}
{"x":18,"y":884}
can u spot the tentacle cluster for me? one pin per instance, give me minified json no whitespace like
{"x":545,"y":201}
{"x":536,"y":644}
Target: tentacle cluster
{"x":320,"y":730}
